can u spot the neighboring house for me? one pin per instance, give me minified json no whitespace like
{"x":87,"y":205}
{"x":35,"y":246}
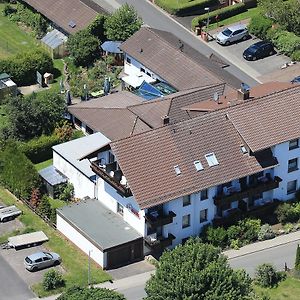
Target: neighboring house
{"x":68,"y":16}
{"x":153,"y":55}
{"x":169,"y":182}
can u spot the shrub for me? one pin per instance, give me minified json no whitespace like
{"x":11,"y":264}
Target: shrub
{"x":7,"y":10}
{"x":64,"y":131}
{"x":45,"y":207}
{"x":288,"y":227}
{"x":66,"y":192}
{"x":266,"y":275}
{"x":53,"y":280}
{"x":296,"y":56}
{"x":286,"y":213}
{"x":250,"y":229}
{"x":259,"y":26}
{"x":222,"y":13}
{"x":266,"y":232}
{"x":215,"y":236}
{"x":297,"y":260}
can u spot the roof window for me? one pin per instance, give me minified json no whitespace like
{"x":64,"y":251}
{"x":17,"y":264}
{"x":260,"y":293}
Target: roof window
{"x":243,"y":149}
{"x":198,"y":165}
{"x":211,"y":159}
{"x":177,"y":170}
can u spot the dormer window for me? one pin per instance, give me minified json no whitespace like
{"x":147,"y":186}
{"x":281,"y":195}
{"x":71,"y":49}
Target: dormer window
{"x":211,"y":159}
{"x":177,"y":170}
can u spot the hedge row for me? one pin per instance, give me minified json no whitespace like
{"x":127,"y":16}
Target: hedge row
{"x":222,"y":13}
{"x":286,"y":42}
{"x":23,"y":66}
{"x":39,"y":149}
{"x":187,"y":8}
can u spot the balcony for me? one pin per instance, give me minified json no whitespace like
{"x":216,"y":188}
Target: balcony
{"x":158,"y":218}
{"x":263,"y":184}
{"x":159,"y":243}
{"x":113,"y":176}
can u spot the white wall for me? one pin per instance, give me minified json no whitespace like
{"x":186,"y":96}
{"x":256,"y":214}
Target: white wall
{"x":107,"y":195}
{"x":193,"y":209}
{"x":83,"y":186}
{"x":283,"y":155}
{"x":81,"y":242}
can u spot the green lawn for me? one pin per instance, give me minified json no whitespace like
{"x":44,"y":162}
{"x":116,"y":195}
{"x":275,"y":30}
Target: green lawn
{"x":289,"y":289}
{"x":243,"y":16}
{"x":12,"y":39}
{"x":74,"y":262}
{"x":44,"y":164}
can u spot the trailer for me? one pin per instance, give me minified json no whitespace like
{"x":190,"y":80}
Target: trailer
{"x":8,"y":213}
{"x":26,"y":240}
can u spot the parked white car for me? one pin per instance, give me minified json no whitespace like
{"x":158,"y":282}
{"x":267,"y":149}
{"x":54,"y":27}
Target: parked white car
{"x":232,"y":34}
{"x":41,"y":260}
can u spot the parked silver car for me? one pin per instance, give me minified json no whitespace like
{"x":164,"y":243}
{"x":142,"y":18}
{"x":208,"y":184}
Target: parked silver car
{"x":232,"y":34}
{"x":41,"y":260}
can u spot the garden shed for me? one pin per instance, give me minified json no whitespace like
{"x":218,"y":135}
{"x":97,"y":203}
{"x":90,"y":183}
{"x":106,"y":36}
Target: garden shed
{"x":55,"y":43}
{"x":7,"y":86}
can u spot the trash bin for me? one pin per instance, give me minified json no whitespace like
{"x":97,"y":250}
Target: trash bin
{"x":197,"y":30}
{"x":204,"y":36}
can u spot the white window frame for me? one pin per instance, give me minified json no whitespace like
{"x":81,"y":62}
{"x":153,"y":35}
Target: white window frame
{"x":198,"y":165}
{"x":177,"y":170}
{"x":211,"y":159}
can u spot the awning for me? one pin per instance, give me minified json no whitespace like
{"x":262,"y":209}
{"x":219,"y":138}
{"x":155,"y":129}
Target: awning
{"x":135,"y":80}
{"x":52,"y":176}
{"x":112,"y":47}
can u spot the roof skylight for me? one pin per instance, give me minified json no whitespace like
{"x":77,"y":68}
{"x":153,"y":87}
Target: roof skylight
{"x":177,"y":170}
{"x":211,"y":159}
{"x":198,"y":165}
{"x":243,"y":149}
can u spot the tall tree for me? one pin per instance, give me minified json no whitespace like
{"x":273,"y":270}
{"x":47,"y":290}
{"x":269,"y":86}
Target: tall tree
{"x":96,"y":28}
{"x":123,"y":23}
{"x":197,"y":271}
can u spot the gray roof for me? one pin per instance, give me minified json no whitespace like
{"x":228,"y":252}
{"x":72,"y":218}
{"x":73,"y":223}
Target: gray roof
{"x":52,"y":176}
{"x":99,"y":224}
{"x":54,"y":39}
{"x":73,"y":151}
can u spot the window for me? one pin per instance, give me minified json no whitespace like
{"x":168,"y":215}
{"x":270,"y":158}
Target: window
{"x":244,"y":149}
{"x":203,"y":215}
{"x":77,"y":122}
{"x":111,"y":157}
{"x":293,"y":165}
{"x":177,"y":170}
{"x":142,"y":70}
{"x":89,"y":130}
{"x":211,"y":159}
{"x":128,"y":60}
{"x":257,"y":196}
{"x":198,"y":165}
{"x":291,"y":187}
{"x":186,"y":220}
{"x":120,"y":209}
{"x":186,"y":200}
{"x":294,"y":144}
{"x":204,"y":195}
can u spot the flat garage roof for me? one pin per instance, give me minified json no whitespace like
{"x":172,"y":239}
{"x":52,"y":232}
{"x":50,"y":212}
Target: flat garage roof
{"x":98,"y":224}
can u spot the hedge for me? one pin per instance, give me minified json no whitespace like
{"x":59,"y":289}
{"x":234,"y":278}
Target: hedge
{"x":39,"y":149}
{"x":259,"y":26}
{"x":23,"y":66}
{"x":184,"y":9}
{"x":222,"y":13}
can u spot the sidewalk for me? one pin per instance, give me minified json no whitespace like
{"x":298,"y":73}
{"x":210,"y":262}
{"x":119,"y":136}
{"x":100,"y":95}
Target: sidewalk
{"x":260,"y":246}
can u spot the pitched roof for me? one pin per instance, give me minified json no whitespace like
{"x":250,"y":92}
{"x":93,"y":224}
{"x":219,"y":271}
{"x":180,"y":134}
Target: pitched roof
{"x":165,"y":59}
{"x":62,"y":12}
{"x":269,"y":120}
{"x":148,"y":159}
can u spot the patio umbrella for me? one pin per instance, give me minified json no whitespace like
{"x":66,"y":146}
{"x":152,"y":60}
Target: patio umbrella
{"x":68,"y":98}
{"x":85,"y":92}
{"x":61,"y":86}
{"x":106,"y":87}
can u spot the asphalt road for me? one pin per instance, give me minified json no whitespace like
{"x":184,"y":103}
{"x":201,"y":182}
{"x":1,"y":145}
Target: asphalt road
{"x":12,"y":285}
{"x":276,"y":256}
{"x":158,"y":19}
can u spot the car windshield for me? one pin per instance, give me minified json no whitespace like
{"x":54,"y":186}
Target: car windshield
{"x":48,"y":255}
{"x":253,"y":47}
{"x":28,"y":260}
{"x":227,"y":32}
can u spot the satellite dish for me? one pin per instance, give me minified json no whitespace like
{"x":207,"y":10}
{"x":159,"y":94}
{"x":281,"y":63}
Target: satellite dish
{"x":216,"y":96}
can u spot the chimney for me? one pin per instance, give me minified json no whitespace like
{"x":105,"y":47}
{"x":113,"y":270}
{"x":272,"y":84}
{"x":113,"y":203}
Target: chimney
{"x":244,"y":92}
{"x":166,"y":120}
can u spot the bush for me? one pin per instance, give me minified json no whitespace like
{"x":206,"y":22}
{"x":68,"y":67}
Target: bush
{"x":53,"y":280}
{"x":187,"y":8}
{"x":266,"y":232}
{"x":66,"y":192}
{"x":266,"y":276}
{"x":22,"y":67}
{"x":222,"y":13}
{"x":285,"y":213}
{"x":259,"y":26}
{"x":215,"y":236}
{"x":250,"y":229}
{"x":296,"y":57}
{"x":44,"y":207}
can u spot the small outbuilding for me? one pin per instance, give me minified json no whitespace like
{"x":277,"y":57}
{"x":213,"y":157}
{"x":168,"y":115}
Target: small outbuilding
{"x":55,"y":43}
{"x":100,"y":233}
{"x":7,"y":86}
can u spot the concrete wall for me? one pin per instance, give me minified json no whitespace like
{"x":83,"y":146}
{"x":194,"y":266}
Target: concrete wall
{"x":81,"y":242}
{"x":83,"y":186}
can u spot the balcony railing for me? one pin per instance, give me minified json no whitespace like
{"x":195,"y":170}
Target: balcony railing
{"x":111,"y":175}
{"x":159,"y":218}
{"x":263,"y":185}
{"x":160,"y":243}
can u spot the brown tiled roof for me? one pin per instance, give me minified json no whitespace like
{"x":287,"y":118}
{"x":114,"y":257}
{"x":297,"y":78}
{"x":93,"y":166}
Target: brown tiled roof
{"x":269,"y":120}
{"x":148,"y":159}
{"x":61,"y":12}
{"x":168,"y":61}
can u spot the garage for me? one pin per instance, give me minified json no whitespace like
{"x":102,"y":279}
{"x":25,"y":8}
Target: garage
{"x":100,"y":233}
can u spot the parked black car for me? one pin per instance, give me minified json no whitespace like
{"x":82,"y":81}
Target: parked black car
{"x":259,"y":50}
{"x":296,"y":80}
